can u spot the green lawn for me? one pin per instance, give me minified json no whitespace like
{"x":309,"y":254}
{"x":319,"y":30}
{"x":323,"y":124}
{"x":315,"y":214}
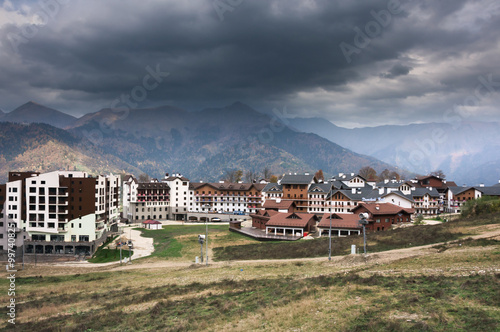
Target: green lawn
{"x":110,"y":255}
{"x":180,"y":242}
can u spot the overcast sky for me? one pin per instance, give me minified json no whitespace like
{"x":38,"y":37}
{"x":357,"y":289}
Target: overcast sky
{"x":355,"y":63}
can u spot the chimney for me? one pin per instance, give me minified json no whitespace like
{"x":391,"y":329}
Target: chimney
{"x":352,"y":174}
{"x":166,"y":175}
{"x":377,"y":207}
{"x":221,"y":181}
{"x":386,"y":180}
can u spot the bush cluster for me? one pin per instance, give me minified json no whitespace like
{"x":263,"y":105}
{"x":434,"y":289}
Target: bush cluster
{"x":483,"y":205}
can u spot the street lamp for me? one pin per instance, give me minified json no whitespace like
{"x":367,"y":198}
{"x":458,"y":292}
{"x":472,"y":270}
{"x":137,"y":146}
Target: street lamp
{"x":364,"y":222}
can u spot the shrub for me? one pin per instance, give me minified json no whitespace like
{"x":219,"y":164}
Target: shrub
{"x":483,"y":205}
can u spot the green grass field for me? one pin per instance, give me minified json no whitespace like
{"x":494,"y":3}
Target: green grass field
{"x":180,"y":242}
{"x":111,"y":255}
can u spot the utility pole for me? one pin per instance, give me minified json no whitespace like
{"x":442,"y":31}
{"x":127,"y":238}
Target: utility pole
{"x":206,"y":236}
{"x":330,"y":231}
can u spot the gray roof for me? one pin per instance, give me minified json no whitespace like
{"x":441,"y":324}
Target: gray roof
{"x":458,"y":190}
{"x":273,"y":187}
{"x":420,"y":192}
{"x":390,"y":184}
{"x":321,"y":187}
{"x":297,"y":179}
{"x":400,"y":194}
{"x":349,"y":177}
{"x":361,"y":193}
{"x":490,"y":191}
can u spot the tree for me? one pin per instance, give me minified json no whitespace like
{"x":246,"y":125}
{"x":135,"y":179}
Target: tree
{"x":368,"y":173}
{"x":439,"y":173}
{"x":238,"y":175}
{"x":250,"y":176}
{"x":384,"y":175}
{"x":273,"y":179}
{"x":319,"y":175}
{"x":395,"y":175}
{"x":232,"y":176}
{"x":266,"y":173}
{"x":143,"y":178}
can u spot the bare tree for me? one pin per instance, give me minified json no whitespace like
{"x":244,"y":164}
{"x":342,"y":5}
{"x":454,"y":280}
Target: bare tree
{"x":384,"y":175}
{"x":232,"y":176}
{"x":368,"y":173}
{"x":266,"y":173}
{"x":319,"y":175}
{"x":250,"y":176}
{"x":143,"y":178}
{"x":395,"y":175}
{"x":439,"y":173}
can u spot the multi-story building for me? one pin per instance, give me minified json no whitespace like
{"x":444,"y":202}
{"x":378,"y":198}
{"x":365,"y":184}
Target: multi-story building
{"x":226,"y":197}
{"x":338,"y":195}
{"x":166,"y":199}
{"x":61,"y":211}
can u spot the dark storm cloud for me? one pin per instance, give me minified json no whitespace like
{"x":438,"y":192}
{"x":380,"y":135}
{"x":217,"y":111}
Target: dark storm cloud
{"x":265,"y":53}
{"x":397,"y":70}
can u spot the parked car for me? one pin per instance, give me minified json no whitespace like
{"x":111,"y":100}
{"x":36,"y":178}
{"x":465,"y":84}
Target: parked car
{"x":216,"y":219}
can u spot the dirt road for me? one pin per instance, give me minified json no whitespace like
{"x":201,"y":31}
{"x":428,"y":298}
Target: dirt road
{"x":145,"y":248}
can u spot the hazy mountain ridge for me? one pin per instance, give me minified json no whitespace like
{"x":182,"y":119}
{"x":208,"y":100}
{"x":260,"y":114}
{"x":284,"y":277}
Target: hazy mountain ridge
{"x":467,"y":152}
{"x":43,"y":148}
{"x":32,"y":112}
{"x":203,"y":145}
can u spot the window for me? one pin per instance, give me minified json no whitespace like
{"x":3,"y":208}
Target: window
{"x":32,"y":190}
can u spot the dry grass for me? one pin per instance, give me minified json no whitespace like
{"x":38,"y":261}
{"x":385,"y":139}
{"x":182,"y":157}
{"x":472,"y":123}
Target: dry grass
{"x":455,"y":286}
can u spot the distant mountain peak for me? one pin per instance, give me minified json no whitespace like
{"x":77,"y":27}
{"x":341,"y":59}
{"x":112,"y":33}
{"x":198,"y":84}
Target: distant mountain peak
{"x":33,"y":112}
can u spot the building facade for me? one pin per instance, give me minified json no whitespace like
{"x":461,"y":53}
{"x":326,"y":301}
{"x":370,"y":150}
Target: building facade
{"x":62,"y":206}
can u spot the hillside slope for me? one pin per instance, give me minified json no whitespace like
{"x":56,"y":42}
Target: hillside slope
{"x":43,"y":148}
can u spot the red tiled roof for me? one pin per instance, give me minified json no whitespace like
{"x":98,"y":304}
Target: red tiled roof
{"x":152,"y":222}
{"x":340,"y":220}
{"x":383,"y":208}
{"x":228,"y":186}
{"x":290,"y":219}
{"x":270,"y":204}
{"x":264,"y":214}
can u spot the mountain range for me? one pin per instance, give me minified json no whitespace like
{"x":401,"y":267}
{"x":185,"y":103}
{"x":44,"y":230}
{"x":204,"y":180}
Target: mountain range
{"x":201,"y":145}
{"x":467,"y":152}
{"x":205,"y":144}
